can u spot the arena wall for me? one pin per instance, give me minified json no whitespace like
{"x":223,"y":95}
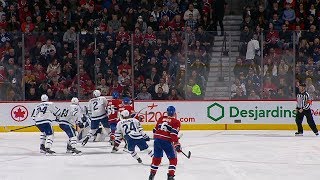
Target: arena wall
{"x":194,"y":115}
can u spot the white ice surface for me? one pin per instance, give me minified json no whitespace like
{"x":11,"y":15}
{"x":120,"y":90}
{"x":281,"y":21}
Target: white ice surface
{"x":216,"y":155}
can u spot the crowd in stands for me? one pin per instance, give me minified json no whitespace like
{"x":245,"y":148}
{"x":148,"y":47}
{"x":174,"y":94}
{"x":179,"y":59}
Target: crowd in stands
{"x":279,"y":48}
{"x":160,"y":48}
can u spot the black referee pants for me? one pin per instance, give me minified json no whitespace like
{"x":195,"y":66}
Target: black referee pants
{"x":311,"y":123}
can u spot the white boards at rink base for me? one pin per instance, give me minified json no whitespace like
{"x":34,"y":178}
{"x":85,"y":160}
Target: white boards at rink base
{"x":194,"y":115}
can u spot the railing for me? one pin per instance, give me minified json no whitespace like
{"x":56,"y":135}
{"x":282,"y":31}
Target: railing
{"x":159,"y":65}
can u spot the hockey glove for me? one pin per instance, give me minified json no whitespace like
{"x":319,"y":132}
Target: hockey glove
{"x":178,"y":147}
{"x":146,"y":138}
{"x":80,"y":125}
{"x":84,"y":118}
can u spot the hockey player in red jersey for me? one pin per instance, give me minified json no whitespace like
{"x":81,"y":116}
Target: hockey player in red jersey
{"x":113,"y":108}
{"x":166,"y":140}
{"x":126,"y":106}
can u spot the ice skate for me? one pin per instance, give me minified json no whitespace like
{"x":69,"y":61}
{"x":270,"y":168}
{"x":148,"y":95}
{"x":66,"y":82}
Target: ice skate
{"x":151,"y":176}
{"x":49,"y":151}
{"x":42,"y":149}
{"x":170,"y":177}
{"x":298,"y":134}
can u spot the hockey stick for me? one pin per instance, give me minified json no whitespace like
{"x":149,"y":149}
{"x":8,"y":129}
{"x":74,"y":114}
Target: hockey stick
{"x":12,"y":130}
{"x":187,"y":155}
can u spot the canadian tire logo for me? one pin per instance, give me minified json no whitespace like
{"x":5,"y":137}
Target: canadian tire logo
{"x":215,"y":111}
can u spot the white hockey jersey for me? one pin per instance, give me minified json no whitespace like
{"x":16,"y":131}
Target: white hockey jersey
{"x":97,"y":108}
{"x":70,"y":115}
{"x":43,"y":112}
{"x":130,"y":127}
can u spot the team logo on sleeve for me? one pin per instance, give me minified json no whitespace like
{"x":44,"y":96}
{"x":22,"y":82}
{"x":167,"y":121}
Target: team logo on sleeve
{"x":19,"y":113}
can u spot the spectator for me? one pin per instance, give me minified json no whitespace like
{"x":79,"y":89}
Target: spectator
{"x":164,"y":86}
{"x":104,"y":88}
{"x":141,"y":24}
{"x":32,"y":95}
{"x":288,"y":14}
{"x":173,"y":95}
{"x":70,"y":36}
{"x":239,"y":67}
{"x":195,"y":13}
{"x":159,"y":95}
{"x":253,"y":48}
{"x":144,"y":94}
{"x":245,"y":37}
{"x":27,"y":26}
{"x":253,"y":96}
{"x":114,"y":23}
{"x":196,"y":90}
{"x":237,"y":85}
{"x":219,"y":7}
{"x":46,"y":48}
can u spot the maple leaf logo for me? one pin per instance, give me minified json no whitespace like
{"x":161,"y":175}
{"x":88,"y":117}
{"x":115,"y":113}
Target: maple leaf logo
{"x":19,"y":114}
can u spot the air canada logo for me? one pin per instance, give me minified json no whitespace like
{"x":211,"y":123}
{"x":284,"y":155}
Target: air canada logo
{"x":215,"y":111}
{"x":19,"y":113}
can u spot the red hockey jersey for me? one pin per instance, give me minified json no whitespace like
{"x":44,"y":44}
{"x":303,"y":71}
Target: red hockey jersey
{"x":113,"y":109}
{"x":128,"y":107}
{"x":167,"y":128}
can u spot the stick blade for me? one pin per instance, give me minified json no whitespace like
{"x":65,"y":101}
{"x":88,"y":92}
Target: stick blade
{"x":189,"y":155}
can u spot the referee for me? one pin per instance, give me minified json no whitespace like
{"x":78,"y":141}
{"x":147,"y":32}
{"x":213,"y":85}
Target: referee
{"x":303,"y":109}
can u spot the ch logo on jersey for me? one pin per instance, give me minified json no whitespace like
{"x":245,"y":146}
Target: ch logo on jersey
{"x":19,"y":113}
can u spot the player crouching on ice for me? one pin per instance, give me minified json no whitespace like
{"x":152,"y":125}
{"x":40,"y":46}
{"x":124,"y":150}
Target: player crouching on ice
{"x":67,"y":119}
{"x":41,"y":115}
{"x":133,"y":133}
{"x":166,"y":140}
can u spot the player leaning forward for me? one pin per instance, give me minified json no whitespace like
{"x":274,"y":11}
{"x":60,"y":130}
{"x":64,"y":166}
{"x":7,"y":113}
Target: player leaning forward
{"x":166,"y":140}
{"x":68,"y":117}
{"x":303,"y":109}
{"x":132,"y":132}
{"x":97,"y":109}
{"x":42,"y":115}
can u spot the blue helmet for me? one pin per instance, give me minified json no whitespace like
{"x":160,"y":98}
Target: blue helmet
{"x":171,"y":110}
{"x":115,"y":95}
{"x":126,"y":100}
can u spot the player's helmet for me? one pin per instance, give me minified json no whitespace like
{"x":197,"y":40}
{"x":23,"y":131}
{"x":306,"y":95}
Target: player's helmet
{"x":171,"y":110}
{"x":96,"y":93}
{"x":75,"y":100}
{"x":126,"y":100}
{"x":44,"y":98}
{"x":115,"y":95}
{"x":125,"y":114}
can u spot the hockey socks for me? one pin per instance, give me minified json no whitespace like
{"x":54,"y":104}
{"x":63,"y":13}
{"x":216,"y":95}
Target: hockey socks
{"x":172,"y":166}
{"x":155,"y":165}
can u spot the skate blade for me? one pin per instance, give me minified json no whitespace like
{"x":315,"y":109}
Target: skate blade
{"x":50,"y":154}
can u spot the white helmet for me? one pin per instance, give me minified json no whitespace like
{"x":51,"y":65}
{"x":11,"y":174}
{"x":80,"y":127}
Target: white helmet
{"x":96,"y":93}
{"x":44,"y":98}
{"x":125,"y":114}
{"x":75,"y":100}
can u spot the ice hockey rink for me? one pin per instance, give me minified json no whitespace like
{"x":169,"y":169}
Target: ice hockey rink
{"x":216,"y":155}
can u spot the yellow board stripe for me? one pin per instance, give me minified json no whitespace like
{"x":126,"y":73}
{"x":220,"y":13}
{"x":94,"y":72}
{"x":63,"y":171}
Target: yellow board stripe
{"x":190,"y":127}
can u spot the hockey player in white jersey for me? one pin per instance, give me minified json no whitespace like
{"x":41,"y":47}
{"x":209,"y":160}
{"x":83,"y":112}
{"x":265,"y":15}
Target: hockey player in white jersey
{"x":98,"y":114}
{"x":67,"y":119}
{"x":131,"y":130}
{"x":42,"y":115}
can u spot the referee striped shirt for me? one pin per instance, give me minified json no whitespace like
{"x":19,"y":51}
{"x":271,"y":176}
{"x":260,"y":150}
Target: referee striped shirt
{"x":303,"y":101}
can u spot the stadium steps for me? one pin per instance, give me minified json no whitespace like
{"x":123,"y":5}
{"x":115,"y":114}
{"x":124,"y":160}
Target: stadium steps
{"x":219,"y":87}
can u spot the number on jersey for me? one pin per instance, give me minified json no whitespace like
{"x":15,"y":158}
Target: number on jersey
{"x":128,"y":129}
{"x":111,"y":109}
